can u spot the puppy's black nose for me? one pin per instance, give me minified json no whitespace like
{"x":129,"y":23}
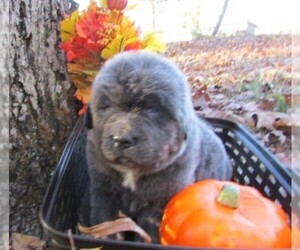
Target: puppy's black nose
{"x":124,"y":141}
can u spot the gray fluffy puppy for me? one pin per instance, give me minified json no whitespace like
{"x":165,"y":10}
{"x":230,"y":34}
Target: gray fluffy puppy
{"x":144,"y":140}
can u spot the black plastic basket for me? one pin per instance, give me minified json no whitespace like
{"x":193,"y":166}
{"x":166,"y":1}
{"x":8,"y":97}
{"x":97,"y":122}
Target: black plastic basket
{"x":253,"y":165}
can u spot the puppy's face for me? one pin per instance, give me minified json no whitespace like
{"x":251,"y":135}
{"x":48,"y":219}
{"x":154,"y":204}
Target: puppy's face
{"x":138,"y":112}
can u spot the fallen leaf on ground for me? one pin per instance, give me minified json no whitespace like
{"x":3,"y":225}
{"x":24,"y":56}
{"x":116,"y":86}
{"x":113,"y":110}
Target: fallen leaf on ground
{"x":201,"y":98}
{"x":283,"y":126}
{"x":27,"y":242}
{"x":113,"y":227}
{"x":267,"y":119}
{"x":246,"y":79}
{"x":267,"y":104}
{"x":274,"y":138}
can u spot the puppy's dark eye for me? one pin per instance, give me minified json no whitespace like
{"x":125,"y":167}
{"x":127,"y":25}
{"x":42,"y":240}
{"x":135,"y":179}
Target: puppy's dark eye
{"x":150,"y":104}
{"x":154,"y":107}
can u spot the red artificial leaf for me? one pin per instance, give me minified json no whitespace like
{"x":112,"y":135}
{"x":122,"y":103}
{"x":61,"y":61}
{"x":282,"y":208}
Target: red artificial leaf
{"x":90,"y":24}
{"x":133,"y":46}
{"x":78,"y":48}
{"x":92,"y":34}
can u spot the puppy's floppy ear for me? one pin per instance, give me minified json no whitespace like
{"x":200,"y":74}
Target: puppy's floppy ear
{"x":88,"y":119}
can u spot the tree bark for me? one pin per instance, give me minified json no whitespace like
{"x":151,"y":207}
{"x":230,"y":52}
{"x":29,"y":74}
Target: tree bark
{"x":42,"y":110}
{"x":216,"y":29}
{"x":4,"y":102}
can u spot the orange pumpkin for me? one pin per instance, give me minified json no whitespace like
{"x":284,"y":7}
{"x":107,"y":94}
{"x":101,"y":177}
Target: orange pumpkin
{"x":295,"y":232}
{"x":213,"y":213}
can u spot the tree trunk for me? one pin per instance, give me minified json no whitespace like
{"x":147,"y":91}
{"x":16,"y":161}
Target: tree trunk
{"x":4,"y":102}
{"x":216,"y":29}
{"x":41,"y":106}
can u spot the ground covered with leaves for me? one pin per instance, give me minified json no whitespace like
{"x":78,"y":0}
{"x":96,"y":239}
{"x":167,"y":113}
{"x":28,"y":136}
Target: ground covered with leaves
{"x":246,"y":79}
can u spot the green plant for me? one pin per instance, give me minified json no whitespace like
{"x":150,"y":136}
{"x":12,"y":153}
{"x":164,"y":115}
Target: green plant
{"x":281,"y":105}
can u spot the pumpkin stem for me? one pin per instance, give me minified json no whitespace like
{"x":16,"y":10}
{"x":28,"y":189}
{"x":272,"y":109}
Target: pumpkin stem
{"x":229,"y":196}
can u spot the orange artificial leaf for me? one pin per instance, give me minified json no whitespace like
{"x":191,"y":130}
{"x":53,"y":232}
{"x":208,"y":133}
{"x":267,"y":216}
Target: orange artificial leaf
{"x":83,"y":94}
{"x":135,"y":45}
{"x":90,"y":24}
{"x":83,"y":69}
{"x":82,"y":110}
{"x":75,"y":68}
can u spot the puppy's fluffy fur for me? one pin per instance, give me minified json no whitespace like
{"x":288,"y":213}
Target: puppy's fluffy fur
{"x":144,"y":141}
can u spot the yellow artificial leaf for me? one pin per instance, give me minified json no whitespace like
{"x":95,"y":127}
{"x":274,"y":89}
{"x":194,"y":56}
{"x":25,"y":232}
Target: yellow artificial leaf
{"x":68,"y":26}
{"x":115,"y":46}
{"x":127,"y":29}
{"x":115,"y":17}
{"x":103,"y":3}
{"x":151,"y":42}
{"x":125,"y":34}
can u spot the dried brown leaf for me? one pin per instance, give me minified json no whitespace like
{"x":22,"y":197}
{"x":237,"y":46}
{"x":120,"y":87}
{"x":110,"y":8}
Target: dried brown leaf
{"x":267,"y":104}
{"x":283,"y":126}
{"x":268,"y":119}
{"x":27,"y":242}
{"x":113,"y":227}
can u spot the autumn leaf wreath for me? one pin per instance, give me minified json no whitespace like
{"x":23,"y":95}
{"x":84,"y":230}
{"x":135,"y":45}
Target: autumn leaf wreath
{"x":92,"y":36}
